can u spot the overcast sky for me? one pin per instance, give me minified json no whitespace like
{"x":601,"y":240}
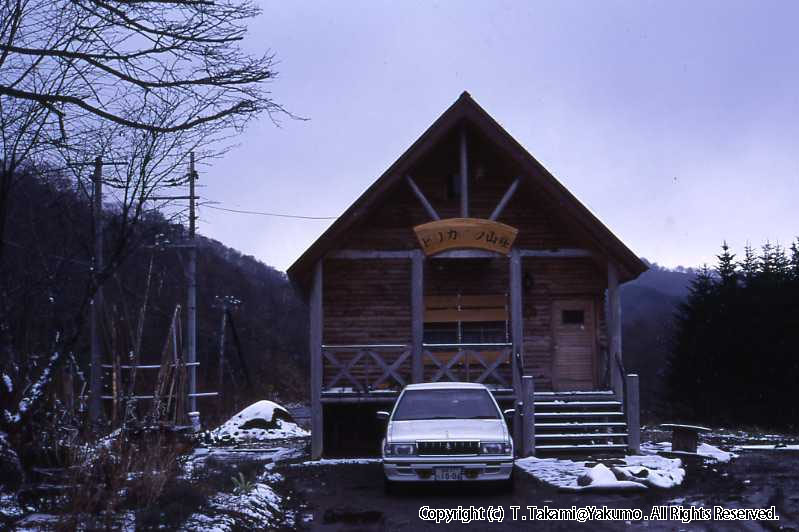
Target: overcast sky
{"x":676,"y":123}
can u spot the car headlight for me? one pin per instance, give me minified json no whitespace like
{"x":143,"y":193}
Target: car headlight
{"x":495,"y":448}
{"x":400,"y":449}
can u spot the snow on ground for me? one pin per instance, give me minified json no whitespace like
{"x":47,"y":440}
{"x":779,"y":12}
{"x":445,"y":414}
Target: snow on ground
{"x":261,"y":421}
{"x":9,"y":506}
{"x":767,"y":447}
{"x":703,"y":449}
{"x":337,"y":461}
{"x":261,"y":507}
{"x":636,"y":473}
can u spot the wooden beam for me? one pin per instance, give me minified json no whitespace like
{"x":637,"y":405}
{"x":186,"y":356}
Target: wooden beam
{"x":633,"y":411}
{"x":422,"y":199}
{"x":464,"y":176}
{"x":417,"y":314}
{"x":614,"y":331}
{"x":563,"y":253}
{"x":465,"y":254}
{"x":315,"y":339}
{"x":505,"y":199}
{"x":363,"y":254}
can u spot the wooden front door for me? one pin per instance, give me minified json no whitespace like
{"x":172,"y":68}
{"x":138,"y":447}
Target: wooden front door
{"x":574,"y":335}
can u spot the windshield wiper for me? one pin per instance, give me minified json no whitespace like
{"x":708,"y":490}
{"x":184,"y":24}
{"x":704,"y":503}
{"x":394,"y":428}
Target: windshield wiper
{"x":482,"y":417}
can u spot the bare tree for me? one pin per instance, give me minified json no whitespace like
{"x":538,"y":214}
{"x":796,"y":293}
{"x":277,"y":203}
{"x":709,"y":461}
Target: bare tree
{"x":102,"y":76}
{"x":139,"y":81}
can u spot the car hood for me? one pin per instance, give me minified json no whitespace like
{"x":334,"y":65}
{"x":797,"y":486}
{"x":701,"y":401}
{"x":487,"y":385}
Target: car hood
{"x":447,"y":429}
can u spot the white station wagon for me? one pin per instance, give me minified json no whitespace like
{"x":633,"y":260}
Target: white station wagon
{"x":447,"y":431}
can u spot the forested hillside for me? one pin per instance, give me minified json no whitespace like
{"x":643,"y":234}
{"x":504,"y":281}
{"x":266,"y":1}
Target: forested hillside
{"x":649,"y":304}
{"x":46,"y":273}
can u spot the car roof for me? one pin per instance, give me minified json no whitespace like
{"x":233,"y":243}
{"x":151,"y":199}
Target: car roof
{"x":445,"y":385}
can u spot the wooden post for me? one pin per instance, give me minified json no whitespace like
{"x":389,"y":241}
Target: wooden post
{"x":464,"y":176}
{"x":315,"y":338}
{"x":528,"y":432}
{"x":614,"y":331}
{"x":417,"y":315}
{"x":96,"y":308}
{"x":191,"y":295}
{"x":632,"y":408}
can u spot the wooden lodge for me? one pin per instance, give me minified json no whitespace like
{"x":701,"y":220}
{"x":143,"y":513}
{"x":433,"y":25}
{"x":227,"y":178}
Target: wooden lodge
{"x":468,"y":261}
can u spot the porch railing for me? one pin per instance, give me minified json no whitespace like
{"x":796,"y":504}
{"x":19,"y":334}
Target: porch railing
{"x":486,"y":363}
{"x":368,"y":368}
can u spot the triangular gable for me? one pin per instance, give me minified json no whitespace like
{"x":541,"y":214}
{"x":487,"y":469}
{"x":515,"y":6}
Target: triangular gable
{"x":465,"y":108}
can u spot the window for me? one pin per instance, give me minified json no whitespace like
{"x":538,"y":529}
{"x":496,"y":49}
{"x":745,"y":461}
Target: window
{"x":446,"y":404}
{"x":573,"y":317}
{"x":469,"y":319}
{"x":484,"y":332}
{"x":441,"y":333}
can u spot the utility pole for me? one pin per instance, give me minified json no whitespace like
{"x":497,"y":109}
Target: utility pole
{"x":95,"y":379}
{"x":191,"y":305}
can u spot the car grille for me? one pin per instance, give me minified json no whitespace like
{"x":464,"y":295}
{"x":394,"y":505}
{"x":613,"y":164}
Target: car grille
{"x":439,"y":448}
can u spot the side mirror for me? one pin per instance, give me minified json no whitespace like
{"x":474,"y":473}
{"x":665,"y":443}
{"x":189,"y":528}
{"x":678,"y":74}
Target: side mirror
{"x":508,"y":413}
{"x":382,"y":415}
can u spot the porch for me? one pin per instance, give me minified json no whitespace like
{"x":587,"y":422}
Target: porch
{"x":472,"y":337}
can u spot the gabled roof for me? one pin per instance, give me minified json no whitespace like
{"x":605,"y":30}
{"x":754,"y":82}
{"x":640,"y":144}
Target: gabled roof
{"x":466,"y":109}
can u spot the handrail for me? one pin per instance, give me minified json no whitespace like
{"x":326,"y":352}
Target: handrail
{"x":363,"y":346}
{"x":620,"y":367}
{"x":490,"y":344}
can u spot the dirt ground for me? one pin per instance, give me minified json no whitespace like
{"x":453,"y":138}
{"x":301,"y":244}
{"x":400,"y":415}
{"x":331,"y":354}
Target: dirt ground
{"x":350,"y":497}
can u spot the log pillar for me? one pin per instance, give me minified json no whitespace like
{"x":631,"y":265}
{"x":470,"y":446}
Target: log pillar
{"x":517,"y":332}
{"x":315,"y":339}
{"x":417,"y":315}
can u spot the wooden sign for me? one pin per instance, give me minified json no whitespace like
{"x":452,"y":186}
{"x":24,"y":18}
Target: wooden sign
{"x":465,"y":233}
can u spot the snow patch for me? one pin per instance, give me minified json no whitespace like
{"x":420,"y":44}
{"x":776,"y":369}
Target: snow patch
{"x":703,"y":449}
{"x":8,"y":383}
{"x":260,"y":508}
{"x":338,"y":461}
{"x":775,"y":447}
{"x":261,"y":421}
{"x":635,"y":473}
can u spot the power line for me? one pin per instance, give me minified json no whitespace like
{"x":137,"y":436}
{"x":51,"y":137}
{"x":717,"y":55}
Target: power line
{"x":278,"y":215}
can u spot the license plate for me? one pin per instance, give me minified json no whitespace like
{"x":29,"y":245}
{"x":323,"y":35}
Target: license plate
{"x":448,"y":473}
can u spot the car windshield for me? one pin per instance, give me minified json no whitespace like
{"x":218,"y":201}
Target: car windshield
{"x":446,"y":404}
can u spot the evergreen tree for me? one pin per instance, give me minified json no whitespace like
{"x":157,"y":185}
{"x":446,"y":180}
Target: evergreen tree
{"x":794,"y":262}
{"x":749,"y":266}
{"x":733,"y":355}
{"x":727,"y":269}
{"x":766,"y":261}
{"x":782,"y":264}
